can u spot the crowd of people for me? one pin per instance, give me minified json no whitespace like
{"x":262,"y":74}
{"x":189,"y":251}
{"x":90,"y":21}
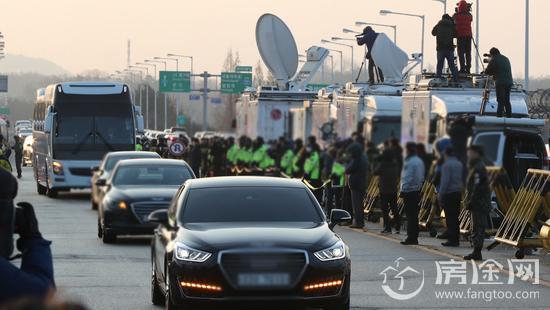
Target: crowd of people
{"x":339,"y":175}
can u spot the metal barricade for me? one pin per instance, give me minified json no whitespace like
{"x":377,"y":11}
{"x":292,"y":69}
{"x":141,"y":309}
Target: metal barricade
{"x":526,"y":223}
{"x":371,"y":201}
{"x":501,"y":185}
{"x":428,"y":202}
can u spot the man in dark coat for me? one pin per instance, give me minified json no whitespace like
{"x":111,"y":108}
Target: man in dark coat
{"x":477,"y":200}
{"x":368,"y":37}
{"x":18,"y":150}
{"x":463,"y":21}
{"x":35,"y":276}
{"x":357,"y":171}
{"x":389,"y":178}
{"x":499,"y":67}
{"x":445,"y":32}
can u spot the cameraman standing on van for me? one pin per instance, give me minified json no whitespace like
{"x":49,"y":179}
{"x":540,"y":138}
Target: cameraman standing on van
{"x":35,"y":276}
{"x":463,"y":21}
{"x":499,"y":67}
{"x":367,"y":38}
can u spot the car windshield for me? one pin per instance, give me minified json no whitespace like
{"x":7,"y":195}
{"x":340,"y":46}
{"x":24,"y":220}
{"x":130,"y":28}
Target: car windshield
{"x":249,"y":204}
{"x":112,"y":161}
{"x":149,"y":175}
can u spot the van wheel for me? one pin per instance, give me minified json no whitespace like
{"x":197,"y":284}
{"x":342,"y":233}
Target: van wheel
{"x":51,"y":193}
{"x":41,"y":190}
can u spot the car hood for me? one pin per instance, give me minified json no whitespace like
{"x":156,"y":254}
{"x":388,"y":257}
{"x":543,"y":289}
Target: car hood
{"x":140,"y":193}
{"x":224,"y":236}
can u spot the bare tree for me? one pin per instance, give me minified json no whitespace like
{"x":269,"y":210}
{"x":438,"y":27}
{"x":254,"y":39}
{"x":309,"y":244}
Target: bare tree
{"x":258,"y":75}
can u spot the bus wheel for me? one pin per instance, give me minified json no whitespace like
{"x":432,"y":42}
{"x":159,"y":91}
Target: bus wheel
{"x":40,"y":189}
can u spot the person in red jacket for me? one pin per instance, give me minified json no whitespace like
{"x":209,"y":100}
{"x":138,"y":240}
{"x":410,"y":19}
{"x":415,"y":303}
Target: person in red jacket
{"x":463,"y":21}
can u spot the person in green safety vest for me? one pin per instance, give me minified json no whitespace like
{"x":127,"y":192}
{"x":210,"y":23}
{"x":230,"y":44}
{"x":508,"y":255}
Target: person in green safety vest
{"x":232,"y":152}
{"x":259,"y":151}
{"x":268,"y":161}
{"x":338,"y":173}
{"x":287,"y":160}
{"x":139,"y":147}
{"x":312,"y":164}
{"x":298,"y":158}
{"x":244,"y":154}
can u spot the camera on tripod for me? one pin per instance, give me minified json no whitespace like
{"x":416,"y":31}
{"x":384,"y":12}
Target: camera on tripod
{"x":487,"y":58}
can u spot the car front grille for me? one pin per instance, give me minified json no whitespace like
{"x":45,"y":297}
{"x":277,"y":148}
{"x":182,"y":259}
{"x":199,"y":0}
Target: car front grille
{"x":142,"y":209}
{"x":87,"y":172}
{"x":293,"y":263}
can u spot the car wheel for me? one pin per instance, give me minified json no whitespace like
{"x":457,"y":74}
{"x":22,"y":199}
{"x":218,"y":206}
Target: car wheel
{"x":157,"y":298}
{"x":107,"y":237}
{"x":41,"y":190}
{"x":168,"y":302}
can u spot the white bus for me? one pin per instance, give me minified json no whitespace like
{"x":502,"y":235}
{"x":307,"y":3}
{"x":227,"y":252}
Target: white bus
{"x":74,"y":125}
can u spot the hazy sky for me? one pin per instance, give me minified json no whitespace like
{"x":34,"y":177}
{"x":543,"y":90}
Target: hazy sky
{"x":86,"y":34}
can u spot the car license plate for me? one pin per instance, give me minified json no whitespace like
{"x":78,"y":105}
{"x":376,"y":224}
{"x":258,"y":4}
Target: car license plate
{"x":263,"y":279}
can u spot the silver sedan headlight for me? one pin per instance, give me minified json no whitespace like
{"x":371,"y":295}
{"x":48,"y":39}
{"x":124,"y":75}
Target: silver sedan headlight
{"x":187,"y":254}
{"x":335,"y":252}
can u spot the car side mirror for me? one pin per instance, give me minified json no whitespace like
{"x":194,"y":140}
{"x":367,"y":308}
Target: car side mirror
{"x":48,"y":121}
{"x":159,"y":217}
{"x":101,"y":182}
{"x":338,"y":216}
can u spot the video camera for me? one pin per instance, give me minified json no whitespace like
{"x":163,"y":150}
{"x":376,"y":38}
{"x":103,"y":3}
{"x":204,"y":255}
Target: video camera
{"x":487,"y":58}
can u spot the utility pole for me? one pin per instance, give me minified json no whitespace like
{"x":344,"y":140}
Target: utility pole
{"x":205,"y":75}
{"x":526,"y":81}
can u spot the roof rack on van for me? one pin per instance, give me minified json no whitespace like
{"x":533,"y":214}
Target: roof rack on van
{"x":509,"y":122}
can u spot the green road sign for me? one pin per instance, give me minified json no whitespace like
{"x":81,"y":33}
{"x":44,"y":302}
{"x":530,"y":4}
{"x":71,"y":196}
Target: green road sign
{"x":316,"y":87}
{"x":243,"y":69}
{"x":181,"y":120}
{"x":235,"y":82}
{"x":4,"y":111}
{"x":175,"y":81}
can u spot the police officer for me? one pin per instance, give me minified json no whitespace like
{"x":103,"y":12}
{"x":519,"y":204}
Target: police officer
{"x":18,"y":150}
{"x":286,"y":159}
{"x":477,"y":200}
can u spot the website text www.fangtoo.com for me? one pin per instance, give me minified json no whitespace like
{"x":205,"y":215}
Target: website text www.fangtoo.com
{"x":487,"y":295}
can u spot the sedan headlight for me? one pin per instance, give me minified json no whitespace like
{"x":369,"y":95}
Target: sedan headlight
{"x":185,"y":253}
{"x":337,"y":251}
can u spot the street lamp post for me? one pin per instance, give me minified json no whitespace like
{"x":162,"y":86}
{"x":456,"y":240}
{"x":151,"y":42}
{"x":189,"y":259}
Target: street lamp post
{"x":423,"y":18}
{"x":191,"y":59}
{"x":146,"y":92}
{"x":132,"y":72}
{"x":444,"y":5}
{"x":331,"y":68}
{"x":359,"y":23}
{"x":148,"y":63}
{"x":526,"y":81}
{"x":341,"y":61}
{"x":348,"y":45}
{"x":164,"y":94}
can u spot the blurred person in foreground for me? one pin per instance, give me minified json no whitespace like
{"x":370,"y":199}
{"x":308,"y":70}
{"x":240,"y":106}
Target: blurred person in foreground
{"x":34,"y":277}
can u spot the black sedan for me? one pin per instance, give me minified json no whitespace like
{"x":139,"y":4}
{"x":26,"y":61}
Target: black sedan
{"x":106,"y":167}
{"x":248,"y":241}
{"x":136,"y":188}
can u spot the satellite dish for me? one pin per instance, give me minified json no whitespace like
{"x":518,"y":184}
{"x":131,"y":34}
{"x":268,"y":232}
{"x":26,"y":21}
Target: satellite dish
{"x":277,"y":47}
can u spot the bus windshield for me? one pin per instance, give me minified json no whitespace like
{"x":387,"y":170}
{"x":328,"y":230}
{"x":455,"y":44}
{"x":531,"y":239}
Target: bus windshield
{"x":87,"y":126}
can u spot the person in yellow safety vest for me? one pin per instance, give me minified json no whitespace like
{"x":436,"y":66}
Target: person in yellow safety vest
{"x":232,"y":152}
{"x":312,"y":166}
{"x":4,"y":162}
{"x":338,"y":173}
{"x":298,"y":155}
{"x":244,"y":154}
{"x":139,"y":147}
{"x":287,"y":161}
{"x":259,"y":151}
